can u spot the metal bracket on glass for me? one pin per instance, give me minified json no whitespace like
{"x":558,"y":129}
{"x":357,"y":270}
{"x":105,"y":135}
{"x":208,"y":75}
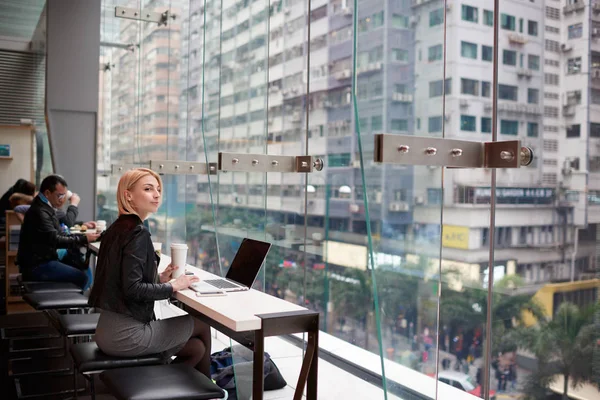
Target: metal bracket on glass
{"x":167,"y":167}
{"x":174,"y":167}
{"x":415,"y":150}
{"x":119,"y":169}
{"x":243,"y":162}
{"x":143,"y":15}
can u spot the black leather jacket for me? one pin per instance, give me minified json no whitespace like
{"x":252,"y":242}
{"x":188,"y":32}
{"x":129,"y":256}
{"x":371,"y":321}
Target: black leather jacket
{"x":41,"y":236}
{"x":126,"y":279}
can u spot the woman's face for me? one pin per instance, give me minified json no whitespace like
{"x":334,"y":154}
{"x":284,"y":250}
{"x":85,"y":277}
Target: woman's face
{"x":145,"y":196}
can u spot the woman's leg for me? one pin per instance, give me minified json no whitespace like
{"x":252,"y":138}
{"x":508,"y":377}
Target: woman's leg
{"x":196,"y":351}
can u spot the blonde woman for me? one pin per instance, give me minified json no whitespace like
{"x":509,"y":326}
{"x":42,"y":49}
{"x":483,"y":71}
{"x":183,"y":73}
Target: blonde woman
{"x":128,"y":283}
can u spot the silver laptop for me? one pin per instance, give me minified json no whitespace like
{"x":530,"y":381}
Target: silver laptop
{"x":243,"y":270}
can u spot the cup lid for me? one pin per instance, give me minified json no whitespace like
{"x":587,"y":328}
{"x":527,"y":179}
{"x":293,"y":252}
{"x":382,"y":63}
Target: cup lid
{"x":179,"y":246}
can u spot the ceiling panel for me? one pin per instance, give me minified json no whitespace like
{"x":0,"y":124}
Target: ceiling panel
{"x":18,"y":18}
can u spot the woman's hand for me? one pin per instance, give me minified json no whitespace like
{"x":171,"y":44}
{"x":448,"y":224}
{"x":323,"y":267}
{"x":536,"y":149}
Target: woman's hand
{"x":167,"y":274}
{"x":183,"y":282}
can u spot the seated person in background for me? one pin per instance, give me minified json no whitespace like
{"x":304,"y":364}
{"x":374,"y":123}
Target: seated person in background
{"x":68,"y":218}
{"x":20,"y":203}
{"x":21,"y":186}
{"x":41,"y":237}
{"x":127,"y":284}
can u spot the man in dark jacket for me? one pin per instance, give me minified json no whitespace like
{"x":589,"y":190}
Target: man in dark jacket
{"x":41,"y":237}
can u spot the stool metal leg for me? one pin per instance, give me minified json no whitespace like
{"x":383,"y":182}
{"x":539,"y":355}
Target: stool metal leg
{"x":92,"y":388}
{"x":75,"y":373}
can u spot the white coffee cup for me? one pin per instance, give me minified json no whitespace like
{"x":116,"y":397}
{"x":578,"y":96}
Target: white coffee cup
{"x":69,"y":194}
{"x":178,"y":258}
{"x":100,"y":226}
{"x":157,"y":247}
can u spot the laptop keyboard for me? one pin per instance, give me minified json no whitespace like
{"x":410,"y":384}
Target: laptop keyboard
{"x":221,"y":284}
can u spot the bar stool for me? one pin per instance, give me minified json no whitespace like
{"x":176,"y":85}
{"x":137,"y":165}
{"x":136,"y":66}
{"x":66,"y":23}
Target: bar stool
{"x":51,"y":287}
{"x":56,"y":301}
{"x":89,"y":360}
{"x":160,"y":382}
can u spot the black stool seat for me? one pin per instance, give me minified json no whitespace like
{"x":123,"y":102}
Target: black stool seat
{"x":160,"y":382}
{"x":54,"y":301}
{"x":77,"y":324}
{"x":89,"y":358}
{"x":51,"y":287}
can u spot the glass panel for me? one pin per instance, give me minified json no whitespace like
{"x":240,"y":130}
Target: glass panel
{"x":386,"y":294}
{"x":546,"y":241}
{"x":466,"y":212}
{"x":118,"y":102}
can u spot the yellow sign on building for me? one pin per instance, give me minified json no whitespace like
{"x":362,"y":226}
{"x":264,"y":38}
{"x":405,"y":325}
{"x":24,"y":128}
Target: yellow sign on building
{"x":456,"y":237}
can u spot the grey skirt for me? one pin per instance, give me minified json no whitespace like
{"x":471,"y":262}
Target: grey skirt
{"x":124,"y":336}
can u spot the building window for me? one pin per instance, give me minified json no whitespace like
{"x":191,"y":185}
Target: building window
{"x":376,"y":123}
{"x":573,"y":131}
{"x":436,"y":17}
{"x":552,"y":45}
{"x":399,"y":55}
{"x":507,"y":92}
{"x":509,"y":127}
{"x":468,"y":123}
{"x":399,"y":125}
{"x":551,"y":112}
{"x":400,"y":21}
{"x":595,"y":96}
{"x":448,"y":86}
{"x":551,"y":79}
{"x":436,"y":88}
{"x":435,"y":53}
{"x":552,"y":29}
{"x":470,"y":13}
{"x":509,"y":57}
{"x":532,"y":28}
{"x":533,"y":96}
{"x":552,"y":63}
{"x":488,"y":17}
{"x":487,"y":53}
{"x":549,"y":179}
{"x":575,"y":31}
{"x":552,"y":13}
{"x":550,"y":145}
{"x":574,"y":65}
{"x":594,"y":130}
{"x":468,"y":50}
{"x":435,"y":124}
{"x":486,"y":125}
{"x":550,"y":95}
{"x":521,"y":25}
{"x":507,"y":22}
{"x":532,"y":129}
{"x":574,"y":97}
{"x":486,"y":89}
{"x":533,"y":62}
{"x":469,"y":86}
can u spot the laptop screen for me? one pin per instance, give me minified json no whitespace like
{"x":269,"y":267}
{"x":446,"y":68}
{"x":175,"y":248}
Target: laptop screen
{"x":247,"y":261}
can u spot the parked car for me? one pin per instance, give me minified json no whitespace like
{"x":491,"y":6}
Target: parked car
{"x":463,"y":382}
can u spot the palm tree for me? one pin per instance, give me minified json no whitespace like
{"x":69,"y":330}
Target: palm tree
{"x":564,"y":345}
{"x":467,"y":309}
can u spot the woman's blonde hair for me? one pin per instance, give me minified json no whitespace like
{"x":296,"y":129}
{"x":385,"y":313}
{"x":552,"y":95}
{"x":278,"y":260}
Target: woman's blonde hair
{"x":128,"y":182}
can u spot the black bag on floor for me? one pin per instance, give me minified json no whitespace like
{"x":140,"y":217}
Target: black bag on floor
{"x":223,"y":373}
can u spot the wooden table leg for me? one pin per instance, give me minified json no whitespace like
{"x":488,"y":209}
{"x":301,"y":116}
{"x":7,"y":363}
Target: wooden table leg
{"x":311,"y":389}
{"x":308,"y":372}
{"x":258,"y":366}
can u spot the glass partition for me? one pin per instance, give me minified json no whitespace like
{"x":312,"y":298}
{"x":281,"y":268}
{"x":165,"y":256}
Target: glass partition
{"x":395,"y":258}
